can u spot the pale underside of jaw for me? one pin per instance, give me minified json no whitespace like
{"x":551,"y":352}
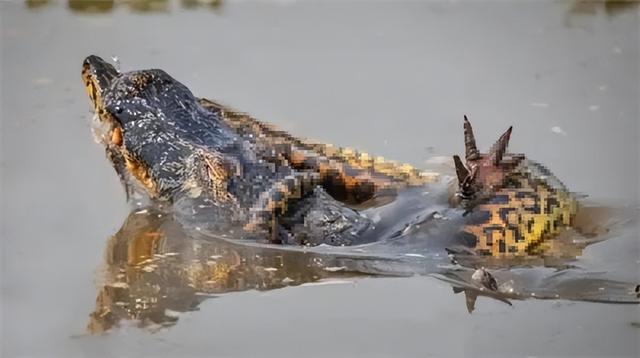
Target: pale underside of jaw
{"x":101,"y":130}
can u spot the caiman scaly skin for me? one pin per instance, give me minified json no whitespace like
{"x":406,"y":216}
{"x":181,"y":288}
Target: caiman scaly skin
{"x":163,"y":139}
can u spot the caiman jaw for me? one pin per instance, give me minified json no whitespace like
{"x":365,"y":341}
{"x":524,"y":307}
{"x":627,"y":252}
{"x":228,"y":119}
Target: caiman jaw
{"x":91,"y":86}
{"x":97,"y":76}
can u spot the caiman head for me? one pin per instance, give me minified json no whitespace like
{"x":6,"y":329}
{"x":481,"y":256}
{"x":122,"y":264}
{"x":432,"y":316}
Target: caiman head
{"x":483,"y":174}
{"x":97,"y":76}
{"x":154,"y":130}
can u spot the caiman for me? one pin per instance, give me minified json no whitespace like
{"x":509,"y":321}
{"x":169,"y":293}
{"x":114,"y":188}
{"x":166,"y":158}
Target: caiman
{"x":253,"y":200}
{"x":225,"y":171}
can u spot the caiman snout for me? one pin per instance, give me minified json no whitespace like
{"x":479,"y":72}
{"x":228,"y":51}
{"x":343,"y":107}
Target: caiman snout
{"x":97,"y":74}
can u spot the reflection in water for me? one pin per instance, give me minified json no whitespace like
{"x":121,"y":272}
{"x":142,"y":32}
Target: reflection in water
{"x":147,"y":6}
{"x":155,"y":270}
{"x":192,"y":4}
{"x":34,"y":4}
{"x":582,"y":12}
{"x":97,"y":6}
{"x":610,"y":7}
{"x":577,"y":7}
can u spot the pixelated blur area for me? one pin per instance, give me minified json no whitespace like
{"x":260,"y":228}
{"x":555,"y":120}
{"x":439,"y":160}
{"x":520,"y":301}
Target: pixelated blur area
{"x":522,"y":215}
{"x":518,"y":203}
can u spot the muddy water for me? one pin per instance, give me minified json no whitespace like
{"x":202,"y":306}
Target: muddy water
{"x":391,"y":79}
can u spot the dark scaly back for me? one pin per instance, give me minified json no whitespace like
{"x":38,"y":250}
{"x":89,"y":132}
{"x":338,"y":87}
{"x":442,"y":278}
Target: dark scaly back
{"x":180,"y":144}
{"x":162,"y":125}
{"x":171,"y":103}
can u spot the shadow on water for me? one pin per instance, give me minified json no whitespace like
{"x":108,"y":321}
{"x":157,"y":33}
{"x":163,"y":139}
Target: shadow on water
{"x":143,"y":6}
{"x":155,"y":269}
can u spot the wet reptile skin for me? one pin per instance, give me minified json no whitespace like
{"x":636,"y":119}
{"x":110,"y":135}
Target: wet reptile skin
{"x":193,"y":152}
